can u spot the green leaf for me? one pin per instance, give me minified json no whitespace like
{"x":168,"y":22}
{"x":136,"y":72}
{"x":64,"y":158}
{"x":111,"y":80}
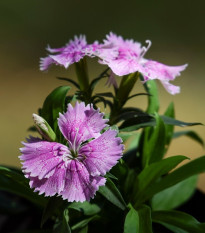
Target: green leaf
{"x":84,"y":222}
{"x":14,"y":182}
{"x":173,"y":228}
{"x":145,"y":221}
{"x":112,"y":194}
{"x":171,"y":121}
{"x":153,"y":99}
{"x":84,"y":229}
{"x":85,"y":207}
{"x":96,"y":80}
{"x":154,"y":142}
{"x":189,"y":133}
{"x":192,"y":168}
{"x":51,"y":208}
{"x":61,"y":225}
{"x":145,"y":121}
{"x":174,"y":196}
{"x":126,"y":85}
{"x":178,"y":219}
{"x":131,"y":224}
{"x":54,"y":104}
{"x":151,"y":174}
{"x":70,"y":81}
{"x":169,"y":128}
{"x":105,"y":94}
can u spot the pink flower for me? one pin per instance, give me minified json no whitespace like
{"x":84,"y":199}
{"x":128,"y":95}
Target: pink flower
{"x":72,"y":52}
{"x":75,"y":170}
{"x":127,"y":56}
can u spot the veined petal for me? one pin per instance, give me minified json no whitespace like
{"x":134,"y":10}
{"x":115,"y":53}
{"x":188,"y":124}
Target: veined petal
{"x":52,"y":185}
{"x":79,"y":184}
{"x":102,"y":153}
{"x":156,"y":70}
{"x":41,"y":157}
{"x":81,"y":123}
{"x":170,"y":87}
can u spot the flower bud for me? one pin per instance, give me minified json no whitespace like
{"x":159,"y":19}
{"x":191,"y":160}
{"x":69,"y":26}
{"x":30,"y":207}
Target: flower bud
{"x":44,"y":128}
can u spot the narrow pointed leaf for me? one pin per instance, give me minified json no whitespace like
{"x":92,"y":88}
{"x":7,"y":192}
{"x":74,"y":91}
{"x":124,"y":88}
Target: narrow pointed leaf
{"x":176,"y":195}
{"x":192,"y":168}
{"x":154,"y":142}
{"x":191,"y":134}
{"x":178,"y":219}
{"x":62,"y":225}
{"x":84,"y":222}
{"x":151,"y":174}
{"x":112,"y":194}
{"x":70,"y":81}
{"x":153,"y":99}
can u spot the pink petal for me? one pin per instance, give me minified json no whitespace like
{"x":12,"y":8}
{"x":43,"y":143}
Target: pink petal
{"x":51,"y":186}
{"x":170,"y":87}
{"x":41,"y":157}
{"x":79,"y":184}
{"x":156,"y":70}
{"x":102,"y":153}
{"x":81,"y":123}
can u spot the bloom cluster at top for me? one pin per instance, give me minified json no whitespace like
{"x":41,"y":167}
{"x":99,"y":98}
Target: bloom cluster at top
{"x":122,"y":56}
{"x":75,"y":170}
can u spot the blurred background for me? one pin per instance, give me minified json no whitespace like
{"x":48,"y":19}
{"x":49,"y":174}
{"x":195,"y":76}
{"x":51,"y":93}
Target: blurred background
{"x":176,"y":29}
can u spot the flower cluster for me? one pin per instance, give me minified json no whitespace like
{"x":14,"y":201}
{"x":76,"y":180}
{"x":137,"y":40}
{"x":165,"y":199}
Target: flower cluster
{"x":121,"y":56}
{"x":75,"y":170}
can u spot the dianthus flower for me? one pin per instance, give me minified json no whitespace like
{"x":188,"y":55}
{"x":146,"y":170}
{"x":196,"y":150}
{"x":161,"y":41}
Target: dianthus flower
{"x":127,"y":56}
{"x":75,"y":170}
{"x":72,"y":52}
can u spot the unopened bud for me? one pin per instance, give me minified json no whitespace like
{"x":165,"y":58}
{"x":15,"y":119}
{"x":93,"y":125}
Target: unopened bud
{"x":44,"y":128}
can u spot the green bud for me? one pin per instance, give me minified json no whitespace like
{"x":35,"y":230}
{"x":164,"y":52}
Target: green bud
{"x":44,"y":128}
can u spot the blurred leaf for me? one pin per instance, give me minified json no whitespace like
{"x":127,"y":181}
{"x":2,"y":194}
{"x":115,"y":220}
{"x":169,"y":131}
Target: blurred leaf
{"x":11,"y":205}
{"x":61,"y":225}
{"x":152,"y":173}
{"x":84,"y":222}
{"x":105,"y":94}
{"x":138,"y":94}
{"x":85,"y":207}
{"x":111,"y":176}
{"x":96,"y":80}
{"x":145,"y":121}
{"x":154,"y":142}
{"x":126,"y":85}
{"x":84,"y":230}
{"x":189,"y":133}
{"x":171,"y":121}
{"x":112,"y":194}
{"x":51,"y":208}
{"x":53,"y":105}
{"x":145,"y":220}
{"x":173,"y":228}
{"x":169,"y":128}
{"x":131,"y":224}
{"x":178,"y":219}
{"x":13,"y":182}
{"x":70,"y":81}
{"x":176,"y":195}
{"x":153,"y":99}
{"x":192,"y":168}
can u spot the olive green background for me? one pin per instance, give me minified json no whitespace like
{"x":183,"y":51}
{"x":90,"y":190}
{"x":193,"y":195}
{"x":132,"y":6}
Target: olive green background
{"x":176,"y":29}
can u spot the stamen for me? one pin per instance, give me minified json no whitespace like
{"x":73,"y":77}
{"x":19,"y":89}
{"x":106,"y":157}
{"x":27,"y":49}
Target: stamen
{"x":145,"y":49}
{"x":74,"y":142}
